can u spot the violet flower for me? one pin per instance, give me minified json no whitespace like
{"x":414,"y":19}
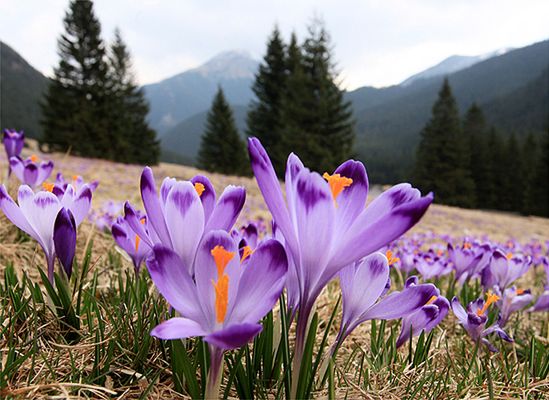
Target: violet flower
{"x":510,"y":301}
{"x":64,"y":239}
{"x":542,"y":302}
{"x":183,"y":212}
{"x":31,"y":172}
{"x":465,"y":260}
{"x":325,"y":222}
{"x":424,"y":319}
{"x":432,"y":265}
{"x":225,"y":301}
{"x":13,"y":143}
{"x":503,"y":269}
{"x":77,"y":182}
{"x":35,"y":214}
{"x":474,"y":320}
{"x":128,"y":240}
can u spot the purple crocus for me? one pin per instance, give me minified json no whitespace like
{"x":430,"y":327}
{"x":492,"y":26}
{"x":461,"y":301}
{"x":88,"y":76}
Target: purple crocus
{"x":432,"y":265}
{"x":183,"y":212}
{"x":424,"y":319}
{"x":226,"y":299}
{"x":35,"y":214}
{"x":325,"y":222}
{"x":510,"y":301}
{"x":31,"y":171}
{"x":542,"y":302}
{"x":13,"y":142}
{"x":465,"y":260}
{"x":474,"y":320}
{"x":503,"y":269}
{"x":77,"y":182}
{"x":128,"y":241}
{"x":64,"y":239}
{"x":364,"y":283}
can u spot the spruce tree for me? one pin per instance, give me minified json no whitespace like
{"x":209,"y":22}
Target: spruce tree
{"x":132,"y":139}
{"x":512,"y":186}
{"x":476,"y":132}
{"x":530,"y":155}
{"x":75,"y":105}
{"x":221,"y":148}
{"x":441,"y":160}
{"x":539,"y":190}
{"x":265,"y":114}
{"x":496,"y":163}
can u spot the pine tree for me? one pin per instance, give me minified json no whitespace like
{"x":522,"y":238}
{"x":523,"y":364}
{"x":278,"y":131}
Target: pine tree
{"x":75,"y":104}
{"x":327,"y":116}
{"x":476,"y":132}
{"x":441,"y":161}
{"x":131,"y":137}
{"x":530,"y":156}
{"x":539,"y":190}
{"x":265,"y":114}
{"x":497,"y":170}
{"x":512,"y":185}
{"x":221,"y":148}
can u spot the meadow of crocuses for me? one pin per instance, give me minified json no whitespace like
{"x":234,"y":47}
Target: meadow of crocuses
{"x":122,"y":281}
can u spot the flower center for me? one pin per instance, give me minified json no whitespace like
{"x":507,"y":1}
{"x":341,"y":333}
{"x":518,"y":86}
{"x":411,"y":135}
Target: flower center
{"x":491,"y":298}
{"x":137,"y":238}
{"x":221,"y":257}
{"x":520,"y":291}
{"x":337,"y":183}
{"x":467,"y":245}
{"x":199,"y":187}
{"x":246,"y":252}
{"x":431,"y":300}
{"x":390,"y":258}
{"x":509,"y":256}
{"x":48,"y":186}
{"x":34,"y":158}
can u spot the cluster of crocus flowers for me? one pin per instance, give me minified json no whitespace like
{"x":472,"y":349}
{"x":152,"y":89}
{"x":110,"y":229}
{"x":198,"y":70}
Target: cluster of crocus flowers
{"x":225,"y":300}
{"x":77,"y":182}
{"x":465,"y":259}
{"x":326,"y":225}
{"x":474,"y":320}
{"x":50,"y":218}
{"x":504,"y":269}
{"x":31,"y":171}
{"x":13,"y":143}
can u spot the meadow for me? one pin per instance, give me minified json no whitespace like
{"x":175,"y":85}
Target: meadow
{"x":88,"y":335}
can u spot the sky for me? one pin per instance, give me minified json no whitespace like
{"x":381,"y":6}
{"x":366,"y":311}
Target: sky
{"x":376,"y":42}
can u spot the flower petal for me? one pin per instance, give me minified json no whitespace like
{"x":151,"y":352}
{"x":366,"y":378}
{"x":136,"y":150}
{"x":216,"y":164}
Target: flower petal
{"x":227,"y":209}
{"x":15,"y":214}
{"x":352,"y":200}
{"x":177,"y":328}
{"x":153,"y":206}
{"x":234,"y":336}
{"x":64,"y":239}
{"x":208,"y":195}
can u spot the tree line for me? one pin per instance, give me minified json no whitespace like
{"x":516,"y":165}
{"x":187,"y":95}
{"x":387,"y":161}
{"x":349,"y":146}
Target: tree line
{"x":298,"y":107}
{"x":93,"y":106}
{"x":469,"y":164}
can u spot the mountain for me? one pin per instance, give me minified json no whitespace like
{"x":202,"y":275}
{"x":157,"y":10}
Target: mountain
{"x":184,"y":95}
{"x":22,"y":88}
{"x":389,"y":119}
{"x":452,"y":64}
{"x":181,"y":143}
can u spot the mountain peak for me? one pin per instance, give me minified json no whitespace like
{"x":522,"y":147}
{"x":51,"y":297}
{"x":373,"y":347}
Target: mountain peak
{"x":232,"y":64}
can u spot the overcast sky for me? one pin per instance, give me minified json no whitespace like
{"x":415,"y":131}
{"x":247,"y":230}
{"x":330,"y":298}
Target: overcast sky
{"x":377,"y":42}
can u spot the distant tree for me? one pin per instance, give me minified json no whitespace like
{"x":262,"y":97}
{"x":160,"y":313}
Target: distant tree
{"x":512,"y":185}
{"x":265,"y":114}
{"x":495,"y":161}
{"x":441,"y":161}
{"x":476,"y":132}
{"x":75,"y":104}
{"x":530,"y":156}
{"x":539,"y":189}
{"x":131,"y":137}
{"x":221,"y":148}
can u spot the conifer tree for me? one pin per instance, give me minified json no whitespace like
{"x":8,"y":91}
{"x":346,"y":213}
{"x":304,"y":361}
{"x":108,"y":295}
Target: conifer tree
{"x":75,"y":104}
{"x":441,"y":162}
{"x":131,"y":137}
{"x":539,"y":190}
{"x":530,"y":155}
{"x":512,"y":185}
{"x":476,"y":132}
{"x":265,"y":115}
{"x":496,"y":163}
{"x":221,"y":148}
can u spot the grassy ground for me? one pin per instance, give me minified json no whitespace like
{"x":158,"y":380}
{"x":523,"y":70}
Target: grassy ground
{"x":109,"y":354}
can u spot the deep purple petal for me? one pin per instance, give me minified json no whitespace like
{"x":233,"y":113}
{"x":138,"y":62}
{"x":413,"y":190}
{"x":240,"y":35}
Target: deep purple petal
{"x":352,"y":199}
{"x":234,"y":336}
{"x":227,"y":209}
{"x":208,"y":195}
{"x":416,"y":322}
{"x":153,"y":207}
{"x":64,"y":238}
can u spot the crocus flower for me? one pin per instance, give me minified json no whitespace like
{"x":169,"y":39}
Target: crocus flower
{"x":77,"y":182}
{"x":432,"y":265}
{"x":35,"y":214}
{"x":31,"y":171}
{"x":542,"y":303}
{"x":225,"y":301}
{"x":424,"y":319}
{"x":183,"y":212}
{"x":325,"y":222}
{"x":465,"y":260}
{"x":128,"y":241}
{"x":362,"y":285}
{"x":13,"y":142}
{"x":64,"y":239}
{"x":510,"y":301}
{"x":474,"y":320}
{"x":504,"y":269}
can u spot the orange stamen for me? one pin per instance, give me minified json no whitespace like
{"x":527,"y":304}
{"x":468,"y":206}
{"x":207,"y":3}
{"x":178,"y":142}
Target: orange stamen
{"x":431,"y":300}
{"x":221,"y":298}
{"x":491,"y":298}
{"x":221,"y":258}
{"x":509,"y":256}
{"x":467,"y":245}
{"x":34,"y":158}
{"x":337,"y":183}
{"x":440,"y":253}
{"x":137,"y":241}
{"x":199,"y":187}
{"x":520,"y":291}
{"x":246,"y":252}
{"x":48,"y":186}
{"x":390,"y":258}
{"x":75,"y":177}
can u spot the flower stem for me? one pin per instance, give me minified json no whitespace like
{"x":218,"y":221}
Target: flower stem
{"x":300,"y":338}
{"x":214,"y":374}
